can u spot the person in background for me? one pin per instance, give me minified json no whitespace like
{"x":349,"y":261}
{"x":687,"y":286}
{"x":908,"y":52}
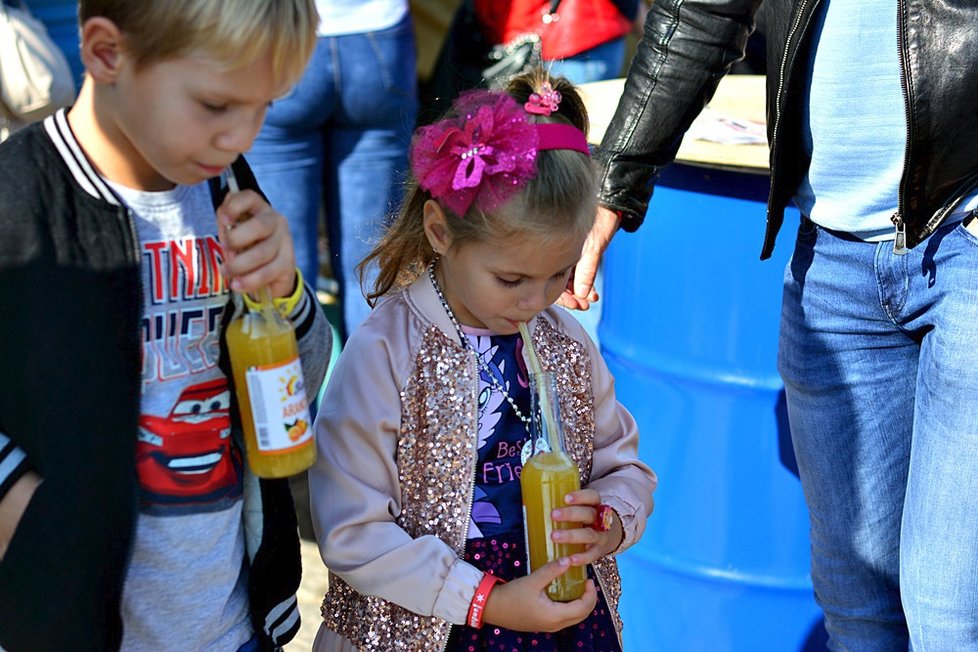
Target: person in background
{"x":873,"y":136}
{"x":416,"y":494}
{"x":336,"y":144}
{"x":122,"y":481}
{"x":38,"y":81}
{"x":585,"y":43}
{"x":581,"y":40}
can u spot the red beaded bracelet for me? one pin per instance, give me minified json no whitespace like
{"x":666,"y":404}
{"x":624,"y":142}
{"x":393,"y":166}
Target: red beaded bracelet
{"x":478,"y":604}
{"x":604,"y":518}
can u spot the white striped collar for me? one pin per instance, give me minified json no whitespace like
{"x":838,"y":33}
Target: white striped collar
{"x":74,"y":157}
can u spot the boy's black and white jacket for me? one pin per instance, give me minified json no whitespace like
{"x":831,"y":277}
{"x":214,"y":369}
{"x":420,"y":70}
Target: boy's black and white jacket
{"x":70,"y":359}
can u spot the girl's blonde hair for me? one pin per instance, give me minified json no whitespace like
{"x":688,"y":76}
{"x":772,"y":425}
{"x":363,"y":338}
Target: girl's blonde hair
{"x":232,"y":32}
{"x":559,"y":202}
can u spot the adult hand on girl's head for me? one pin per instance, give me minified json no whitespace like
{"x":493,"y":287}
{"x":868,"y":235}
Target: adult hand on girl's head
{"x":580,"y":293}
{"x":257,"y":246}
{"x":582,"y":508}
{"x":522,"y":605}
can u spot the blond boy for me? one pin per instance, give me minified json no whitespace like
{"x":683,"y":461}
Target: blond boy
{"x":128,"y":519}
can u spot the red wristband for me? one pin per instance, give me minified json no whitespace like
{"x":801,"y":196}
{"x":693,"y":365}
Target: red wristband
{"x":478,"y":604}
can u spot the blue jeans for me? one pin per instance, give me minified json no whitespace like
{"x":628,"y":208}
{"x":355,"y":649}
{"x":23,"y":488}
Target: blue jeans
{"x":879,"y":355}
{"x":600,"y":62}
{"x":251,"y":646}
{"x":341,"y":137}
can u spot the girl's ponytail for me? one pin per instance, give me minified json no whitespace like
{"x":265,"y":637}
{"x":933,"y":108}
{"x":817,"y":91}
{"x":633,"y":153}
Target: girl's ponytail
{"x":571,"y":109}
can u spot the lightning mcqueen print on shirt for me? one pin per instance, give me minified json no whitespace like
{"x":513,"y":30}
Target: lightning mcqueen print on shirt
{"x":188,"y":459}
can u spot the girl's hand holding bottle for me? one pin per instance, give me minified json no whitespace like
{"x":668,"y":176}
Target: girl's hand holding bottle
{"x":258,"y":249}
{"x":523,"y":604}
{"x":584,"y":509}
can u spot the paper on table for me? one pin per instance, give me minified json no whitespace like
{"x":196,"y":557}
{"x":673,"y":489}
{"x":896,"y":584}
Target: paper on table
{"x":717,"y":127}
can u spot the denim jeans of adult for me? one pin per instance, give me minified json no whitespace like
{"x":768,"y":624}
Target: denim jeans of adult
{"x":341,"y":137}
{"x":251,"y":646}
{"x":600,"y":62}
{"x":879,"y":356}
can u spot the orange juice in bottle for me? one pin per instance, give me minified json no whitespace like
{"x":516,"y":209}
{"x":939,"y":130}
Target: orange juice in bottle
{"x":270,"y":390}
{"x":269,"y":386}
{"x":548,"y":475}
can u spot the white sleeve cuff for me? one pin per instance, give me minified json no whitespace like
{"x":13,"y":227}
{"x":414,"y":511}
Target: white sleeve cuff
{"x":452,"y":603}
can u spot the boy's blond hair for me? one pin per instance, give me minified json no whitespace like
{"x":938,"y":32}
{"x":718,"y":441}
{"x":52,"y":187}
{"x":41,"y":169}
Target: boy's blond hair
{"x":231,"y":32}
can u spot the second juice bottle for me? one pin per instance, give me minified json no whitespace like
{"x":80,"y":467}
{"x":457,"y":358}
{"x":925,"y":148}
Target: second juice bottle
{"x":548,"y":475}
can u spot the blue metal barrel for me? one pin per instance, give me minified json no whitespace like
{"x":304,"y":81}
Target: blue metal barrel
{"x":690,"y":331}
{"x":60,"y":17}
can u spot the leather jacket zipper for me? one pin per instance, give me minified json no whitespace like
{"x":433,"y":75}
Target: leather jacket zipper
{"x":968,"y":186}
{"x":900,"y":239}
{"x":780,"y":95}
{"x":900,"y":235}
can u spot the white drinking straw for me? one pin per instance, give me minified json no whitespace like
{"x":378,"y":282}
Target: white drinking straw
{"x":542,"y":394}
{"x":265,"y":293}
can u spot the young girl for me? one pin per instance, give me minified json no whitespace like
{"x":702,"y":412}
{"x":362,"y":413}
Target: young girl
{"x":416,"y":495}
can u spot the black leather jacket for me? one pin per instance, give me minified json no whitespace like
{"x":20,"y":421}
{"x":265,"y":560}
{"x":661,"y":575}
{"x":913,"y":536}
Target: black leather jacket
{"x":689,"y":45}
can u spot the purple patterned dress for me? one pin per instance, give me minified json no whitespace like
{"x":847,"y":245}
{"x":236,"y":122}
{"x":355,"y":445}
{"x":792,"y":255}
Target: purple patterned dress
{"x":496,"y":542}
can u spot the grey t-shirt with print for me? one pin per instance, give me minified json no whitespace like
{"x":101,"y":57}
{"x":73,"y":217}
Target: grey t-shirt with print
{"x":186,"y":584}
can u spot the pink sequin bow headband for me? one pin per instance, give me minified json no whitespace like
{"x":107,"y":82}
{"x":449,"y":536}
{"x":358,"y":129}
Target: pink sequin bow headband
{"x":488,"y":152}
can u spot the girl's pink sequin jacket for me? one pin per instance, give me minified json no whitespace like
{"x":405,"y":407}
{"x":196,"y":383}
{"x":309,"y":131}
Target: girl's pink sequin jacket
{"x":392,"y":489}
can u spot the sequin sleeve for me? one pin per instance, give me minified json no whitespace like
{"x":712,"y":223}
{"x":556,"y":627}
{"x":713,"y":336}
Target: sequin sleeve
{"x":355,"y":490}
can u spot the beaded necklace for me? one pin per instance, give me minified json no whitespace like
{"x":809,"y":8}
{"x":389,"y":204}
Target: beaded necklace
{"x":466,"y":344}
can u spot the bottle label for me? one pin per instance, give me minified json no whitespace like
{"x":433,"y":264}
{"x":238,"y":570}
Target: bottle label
{"x":279,"y":406}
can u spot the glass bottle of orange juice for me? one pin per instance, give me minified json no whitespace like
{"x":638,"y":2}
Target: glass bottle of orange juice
{"x":548,"y":475}
{"x":270,"y":390}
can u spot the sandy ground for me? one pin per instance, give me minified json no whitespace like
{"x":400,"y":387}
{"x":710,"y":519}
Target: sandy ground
{"x":311,"y":593}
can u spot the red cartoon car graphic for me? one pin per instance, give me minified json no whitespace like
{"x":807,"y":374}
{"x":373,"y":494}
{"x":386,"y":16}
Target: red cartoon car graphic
{"x":188,"y":455}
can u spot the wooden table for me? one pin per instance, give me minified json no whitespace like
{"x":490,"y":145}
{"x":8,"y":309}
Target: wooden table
{"x":739,"y":96}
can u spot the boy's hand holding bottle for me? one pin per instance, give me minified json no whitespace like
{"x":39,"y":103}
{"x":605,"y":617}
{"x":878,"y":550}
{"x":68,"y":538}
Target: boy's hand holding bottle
{"x":268,"y":380}
{"x":258,"y":249}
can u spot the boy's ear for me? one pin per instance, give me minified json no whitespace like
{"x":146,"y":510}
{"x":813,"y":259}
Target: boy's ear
{"x":101,"y":49}
{"x":435,"y":227}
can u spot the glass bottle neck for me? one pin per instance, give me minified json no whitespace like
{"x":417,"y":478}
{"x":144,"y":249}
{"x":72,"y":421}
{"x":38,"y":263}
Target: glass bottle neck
{"x":546,"y":410}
